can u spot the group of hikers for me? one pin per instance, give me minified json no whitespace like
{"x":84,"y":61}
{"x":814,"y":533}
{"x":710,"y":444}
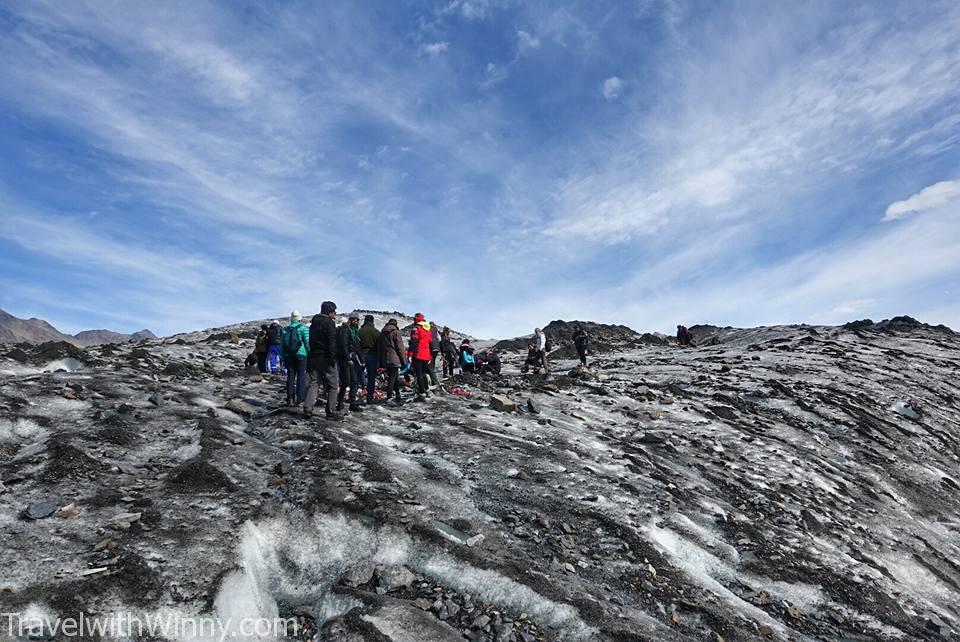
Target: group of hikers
{"x":347,"y":360}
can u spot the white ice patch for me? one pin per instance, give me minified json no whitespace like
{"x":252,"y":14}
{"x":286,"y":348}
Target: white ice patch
{"x":302,"y":560}
{"x":705,"y":568}
{"x":69,"y":364}
{"x":20,"y":430}
{"x":187,"y":451}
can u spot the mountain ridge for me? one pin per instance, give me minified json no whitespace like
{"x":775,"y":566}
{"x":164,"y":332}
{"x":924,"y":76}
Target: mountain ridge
{"x":33,"y":330}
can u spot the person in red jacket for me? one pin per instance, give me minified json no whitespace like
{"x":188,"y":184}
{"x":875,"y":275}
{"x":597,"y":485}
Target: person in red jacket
{"x":420,"y":340}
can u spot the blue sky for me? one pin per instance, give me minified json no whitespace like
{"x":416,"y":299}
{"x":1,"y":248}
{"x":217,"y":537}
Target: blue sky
{"x":493,"y":164}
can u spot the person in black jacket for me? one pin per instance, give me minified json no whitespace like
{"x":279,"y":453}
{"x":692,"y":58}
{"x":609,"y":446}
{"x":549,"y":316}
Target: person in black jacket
{"x":581,"y":340}
{"x":684,"y":338}
{"x":450,"y":353}
{"x":322,"y":360}
{"x":348,"y":361}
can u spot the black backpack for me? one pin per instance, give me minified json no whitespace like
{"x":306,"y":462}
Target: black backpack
{"x":548,"y":344}
{"x":434,"y":340}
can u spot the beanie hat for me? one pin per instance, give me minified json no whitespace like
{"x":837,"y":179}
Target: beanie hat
{"x":327,"y":307}
{"x":295,"y":315}
{"x":368,"y":318}
{"x":354,"y":315}
{"x":419,"y":317}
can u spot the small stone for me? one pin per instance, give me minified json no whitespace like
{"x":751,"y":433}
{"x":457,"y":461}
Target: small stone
{"x":653,"y":437}
{"x":39,"y":510}
{"x":156,"y":399}
{"x":68,"y":511}
{"x":103,"y":545}
{"x":423,"y":603}
{"x":655,"y":414}
{"x":448,"y":609}
{"x":503,"y":403}
{"x":533,"y":406}
{"x":394,"y":577}
{"x":811,"y":520}
{"x":241,"y":407}
{"x":359,"y":573}
{"x":765,"y":630}
{"x":474,"y":541}
{"x":481,"y":621}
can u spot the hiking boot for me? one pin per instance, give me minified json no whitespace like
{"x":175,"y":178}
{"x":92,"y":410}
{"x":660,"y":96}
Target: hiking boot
{"x":340,"y":406}
{"x":356,"y":408}
{"x":335,"y":417}
{"x":307,"y":414}
{"x":398,"y":402}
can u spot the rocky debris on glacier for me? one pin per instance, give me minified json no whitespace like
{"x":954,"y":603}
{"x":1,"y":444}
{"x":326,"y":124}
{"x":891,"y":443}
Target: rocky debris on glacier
{"x":781,"y":483}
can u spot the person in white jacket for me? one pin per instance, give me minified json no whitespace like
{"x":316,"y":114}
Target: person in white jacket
{"x":540,"y":343}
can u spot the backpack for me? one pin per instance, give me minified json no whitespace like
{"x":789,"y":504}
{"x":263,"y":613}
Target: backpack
{"x":466,"y":358}
{"x":434,"y":340}
{"x":548,"y":344}
{"x":291,"y":340}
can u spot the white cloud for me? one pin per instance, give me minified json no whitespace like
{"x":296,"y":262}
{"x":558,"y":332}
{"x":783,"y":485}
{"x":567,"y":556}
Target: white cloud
{"x":434,"y":49}
{"x":847,"y":308}
{"x":527,"y":41}
{"x":931,"y":197}
{"x":469,"y":9}
{"x":612,"y":87}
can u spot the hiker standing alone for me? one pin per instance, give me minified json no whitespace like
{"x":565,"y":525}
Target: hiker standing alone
{"x":581,"y":340}
{"x":684,"y":338}
{"x":294,"y":342}
{"x":323,"y":360}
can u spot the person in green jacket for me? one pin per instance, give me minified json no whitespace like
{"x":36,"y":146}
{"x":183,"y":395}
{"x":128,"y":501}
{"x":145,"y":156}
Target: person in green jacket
{"x":293,"y":347}
{"x":369,"y":336}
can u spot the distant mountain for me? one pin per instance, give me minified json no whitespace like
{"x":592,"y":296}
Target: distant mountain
{"x":15,"y":330}
{"x":97,"y":337}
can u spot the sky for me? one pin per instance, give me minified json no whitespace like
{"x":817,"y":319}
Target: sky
{"x":493,"y":164}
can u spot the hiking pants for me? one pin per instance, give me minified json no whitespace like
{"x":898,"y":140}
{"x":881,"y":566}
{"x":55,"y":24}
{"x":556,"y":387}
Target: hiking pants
{"x":262,"y":362}
{"x":296,"y":379}
{"x":393,"y":381}
{"x":321,"y":370}
{"x":420,"y":371}
{"x":449,"y":363}
{"x":273,"y":354}
{"x":582,"y":352}
{"x":348,"y":379}
{"x":370,"y":363}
